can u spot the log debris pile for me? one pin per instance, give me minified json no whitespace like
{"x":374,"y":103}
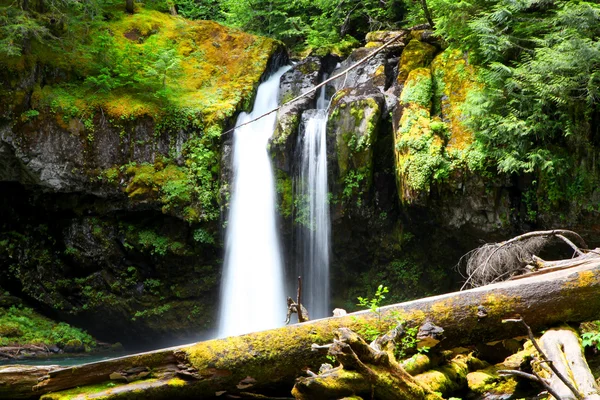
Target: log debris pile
{"x":328,"y":359}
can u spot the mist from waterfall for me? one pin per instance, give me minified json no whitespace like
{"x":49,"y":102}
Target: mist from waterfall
{"x":252,"y":291}
{"x":312,"y":211}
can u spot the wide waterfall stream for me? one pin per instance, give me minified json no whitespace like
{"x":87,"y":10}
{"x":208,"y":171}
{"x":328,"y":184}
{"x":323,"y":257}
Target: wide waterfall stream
{"x":252,"y":292}
{"x":313,"y":215}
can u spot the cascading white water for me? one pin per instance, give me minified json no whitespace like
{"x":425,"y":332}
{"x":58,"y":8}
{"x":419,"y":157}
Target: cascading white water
{"x":252,"y":292}
{"x":313,"y":214}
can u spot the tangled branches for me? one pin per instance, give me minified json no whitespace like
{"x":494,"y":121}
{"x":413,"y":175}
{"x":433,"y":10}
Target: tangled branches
{"x":494,"y":262}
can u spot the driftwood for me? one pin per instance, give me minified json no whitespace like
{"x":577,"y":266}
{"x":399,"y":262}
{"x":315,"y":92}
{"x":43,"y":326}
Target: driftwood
{"x":563,"y":349}
{"x":254,"y":362}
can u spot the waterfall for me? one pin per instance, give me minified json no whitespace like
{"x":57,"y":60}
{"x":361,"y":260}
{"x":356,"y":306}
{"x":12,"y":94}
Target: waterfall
{"x":252,"y":290}
{"x":313,"y":211}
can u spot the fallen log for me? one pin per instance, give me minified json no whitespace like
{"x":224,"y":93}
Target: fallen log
{"x":17,"y":381}
{"x":364,"y":371}
{"x":254,"y":362}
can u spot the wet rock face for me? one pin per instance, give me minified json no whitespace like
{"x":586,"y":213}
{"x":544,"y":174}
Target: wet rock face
{"x":62,"y":157}
{"x":404,"y":207}
{"x":353,"y":126}
{"x":137,"y":278}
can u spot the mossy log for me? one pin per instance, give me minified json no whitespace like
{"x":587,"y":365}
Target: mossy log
{"x":451,"y":376}
{"x":363,"y":371}
{"x":261,"y":360}
{"x":16,"y":381}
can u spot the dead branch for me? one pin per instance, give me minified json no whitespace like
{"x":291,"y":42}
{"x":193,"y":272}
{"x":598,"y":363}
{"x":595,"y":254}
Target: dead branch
{"x":493,"y":262}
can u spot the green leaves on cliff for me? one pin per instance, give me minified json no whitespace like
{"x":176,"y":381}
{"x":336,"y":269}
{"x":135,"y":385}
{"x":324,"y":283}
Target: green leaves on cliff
{"x":300,"y":23}
{"x":540,"y":101}
{"x":24,"y":326}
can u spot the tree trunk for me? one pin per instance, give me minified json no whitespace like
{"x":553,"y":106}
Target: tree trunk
{"x":255,"y":361}
{"x":129,"y":6}
{"x":427,"y":13}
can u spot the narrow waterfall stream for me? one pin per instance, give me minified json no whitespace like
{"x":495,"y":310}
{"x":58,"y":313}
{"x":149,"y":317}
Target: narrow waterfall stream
{"x":252,"y":292}
{"x":314,"y":231}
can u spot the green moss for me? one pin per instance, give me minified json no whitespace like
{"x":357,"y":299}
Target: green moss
{"x":22,"y":325}
{"x":415,"y":55}
{"x":420,"y":154}
{"x":418,"y":88}
{"x":447,"y":378}
{"x":100,"y":391}
{"x":355,"y":125}
{"x":454,"y":80}
{"x":190,"y":191}
{"x":432,"y":141}
{"x":218,"y":67}
{"x":488,"y":381}
{"x":284,"y":189}
{"x":287,"y":125}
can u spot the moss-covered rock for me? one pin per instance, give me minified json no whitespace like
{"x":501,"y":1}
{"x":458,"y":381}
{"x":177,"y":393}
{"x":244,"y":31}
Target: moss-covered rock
{"x":353,"y":122}
{"x":454,"y":78}
{"x":22,"y":326}
{"x":415,"y":55}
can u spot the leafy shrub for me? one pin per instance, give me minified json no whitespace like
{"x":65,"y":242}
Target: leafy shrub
{"x":25,"y":326}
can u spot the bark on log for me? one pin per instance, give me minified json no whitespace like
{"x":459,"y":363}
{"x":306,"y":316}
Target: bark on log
{"x":17,"y":381}
{"x":254,"y":361}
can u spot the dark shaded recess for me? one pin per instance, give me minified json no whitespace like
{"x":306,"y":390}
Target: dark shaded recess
{"x":79,"y":258}
{"x":382,"y":242}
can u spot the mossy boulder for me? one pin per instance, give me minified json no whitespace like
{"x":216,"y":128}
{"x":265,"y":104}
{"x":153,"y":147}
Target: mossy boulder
{"x":454,"y":79}
{"x":415,"y":55}
{"x":419,"y":142}
{"x":374,"y":73}
{"x":69,"y":134}
{"x":299,"y":79}
{"x":376,"y":39}
{"x":353,"y":124}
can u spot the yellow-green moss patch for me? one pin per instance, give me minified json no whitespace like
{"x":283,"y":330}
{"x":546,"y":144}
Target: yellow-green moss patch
{"x":415,"y":55}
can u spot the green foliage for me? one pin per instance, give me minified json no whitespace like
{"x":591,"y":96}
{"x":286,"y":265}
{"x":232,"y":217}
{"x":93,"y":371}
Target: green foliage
{"x":200,"y":9}
{"x":408,"y":341}
{"x":203,"y":167}
{"x":41,"y":21}
{"x":203,"y":236}
{"x":370,"y":331}
{"x":537,"y":108}
{"x":352,"y":183}
{"x":591,"y":338}
{"x":418,"y":88}
{"x":151,"y":312}
{"x":22,"y":325}
{"x":320,"y":24}
{"x":166,"y":64}
{"x":153,"y":286}
{"x":29,"y":115}
{"x":374,"y":303}
{"x":158,"y":244}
